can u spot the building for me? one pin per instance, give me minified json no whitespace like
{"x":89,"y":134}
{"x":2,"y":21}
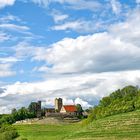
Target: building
{"x":58,"y":104}
{"x":50,"y":110}
{"x":69,"y":109}
{"x":61,"y":110}
{"x":38,"y":109}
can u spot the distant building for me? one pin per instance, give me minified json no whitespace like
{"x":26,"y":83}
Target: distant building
{"x":69,"y":109}
{"x":60,"y":109}
{"x":58,"y":104}
{"x":50,"y":110}
{"x":39,"y":109}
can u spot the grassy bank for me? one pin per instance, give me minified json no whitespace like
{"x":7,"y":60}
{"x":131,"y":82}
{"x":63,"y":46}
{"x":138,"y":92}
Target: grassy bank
{"x":123,"y":126}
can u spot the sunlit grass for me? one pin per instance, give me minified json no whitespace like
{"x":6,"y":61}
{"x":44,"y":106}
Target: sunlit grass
{"x":123,"y":126}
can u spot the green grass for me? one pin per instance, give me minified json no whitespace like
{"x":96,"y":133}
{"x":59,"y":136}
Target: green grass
{"x":46,"y":132}
{"x":124,"y":126}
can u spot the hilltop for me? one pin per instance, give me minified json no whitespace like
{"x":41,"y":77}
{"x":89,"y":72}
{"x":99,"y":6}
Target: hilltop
{"x":122,"y":100}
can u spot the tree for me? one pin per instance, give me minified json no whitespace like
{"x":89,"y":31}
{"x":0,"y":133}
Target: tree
{"x":14,"y":110}
{"x":23,"y":113}
{"x":120,"y":101}
{"x":33,"y":108}
{"x":79,"y":109}
{"x":105,"y":101}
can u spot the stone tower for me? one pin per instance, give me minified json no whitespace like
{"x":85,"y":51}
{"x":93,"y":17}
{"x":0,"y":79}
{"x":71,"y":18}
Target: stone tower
{"x":58,"y":104}
{"x":38,"y":108}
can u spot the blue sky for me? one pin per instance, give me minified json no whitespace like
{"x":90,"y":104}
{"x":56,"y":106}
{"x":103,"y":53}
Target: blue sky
{"x":80,"y":50}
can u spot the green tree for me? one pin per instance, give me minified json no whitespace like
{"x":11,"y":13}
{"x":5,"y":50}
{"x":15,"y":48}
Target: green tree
{"x":79,"y":109}
{"x":119,"y":101}
{"x":23,"y":113}
{"x":105,"y":101}
{"x":33,"y":109}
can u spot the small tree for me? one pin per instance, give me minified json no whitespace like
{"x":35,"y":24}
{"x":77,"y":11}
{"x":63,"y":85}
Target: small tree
{"x":79,"y":110}
{"x":14,"y":110}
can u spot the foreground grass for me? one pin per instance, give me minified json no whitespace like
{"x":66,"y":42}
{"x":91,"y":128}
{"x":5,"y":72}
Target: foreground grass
{"x":46,"y":132}
{"x":124,"y":126}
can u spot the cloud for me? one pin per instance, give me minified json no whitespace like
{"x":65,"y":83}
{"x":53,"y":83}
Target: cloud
{"x":83,"y":103}
{"x":43,"y":3}
{"x":9,"y":60}
{"x":70,"y":88}
{"x":128,"y":31}
{"x":25,"y":50}
{"x":9,"y":25}
{"x":5,"y":70}
{"x":74,"y":25}
{"x":14,"y":27}
{"x":115,"y":50}
{"x":116,"y":6}
{"x":82,"y":4}
{"x":2,"y":90}
{"x":138,"y":1}
{"x":8,"y":18}
{"x":58,"y":16}
{"x":4,"y":36}
{"x":74,"y":4}
{"x":80,"y":26}
{"x":4,"y":3}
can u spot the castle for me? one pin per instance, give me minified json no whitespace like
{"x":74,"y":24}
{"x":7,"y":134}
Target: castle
{"x":61,"y":109}
{"x":58,"y":110}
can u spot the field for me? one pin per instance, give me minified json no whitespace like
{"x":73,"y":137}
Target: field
{"x":124,"y":126}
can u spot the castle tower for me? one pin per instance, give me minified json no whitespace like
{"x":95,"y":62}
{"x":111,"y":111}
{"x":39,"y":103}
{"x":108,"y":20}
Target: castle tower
{"x":39,"y":104}
{"x":58,"y":104}
{"x":38,"y":109}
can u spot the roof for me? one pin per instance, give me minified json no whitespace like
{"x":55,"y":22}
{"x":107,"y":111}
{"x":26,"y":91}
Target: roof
{"x":70,"y":108}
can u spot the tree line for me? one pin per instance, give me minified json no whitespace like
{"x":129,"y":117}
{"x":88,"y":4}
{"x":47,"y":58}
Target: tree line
{"x":28,"y":113}
{"x":120,"y":101}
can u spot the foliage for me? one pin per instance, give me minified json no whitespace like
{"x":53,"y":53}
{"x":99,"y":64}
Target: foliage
{"x":120,"y":101}
{"x":6,"y":119}
{"x":7,"y":132}
{"x":79,"y":111}
{"x":21,"y":114}
{"x":32,"y":108}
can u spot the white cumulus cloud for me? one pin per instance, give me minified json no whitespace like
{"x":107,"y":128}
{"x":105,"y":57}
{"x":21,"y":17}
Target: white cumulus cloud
{"x":4,"y":3}
{"x":116,"y":6}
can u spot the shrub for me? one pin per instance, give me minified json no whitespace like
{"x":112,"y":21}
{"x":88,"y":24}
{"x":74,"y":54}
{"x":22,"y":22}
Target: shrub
{"x":8,"y":133}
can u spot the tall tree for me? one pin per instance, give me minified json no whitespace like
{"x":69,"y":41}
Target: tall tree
{"x":79,"y":109}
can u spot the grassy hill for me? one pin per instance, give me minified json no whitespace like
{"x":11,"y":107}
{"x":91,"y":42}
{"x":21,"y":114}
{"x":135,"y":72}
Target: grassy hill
{"x":125,"y":126}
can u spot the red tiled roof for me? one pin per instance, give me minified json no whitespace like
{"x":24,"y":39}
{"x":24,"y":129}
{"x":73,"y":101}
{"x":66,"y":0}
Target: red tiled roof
{"x":70,"y":108}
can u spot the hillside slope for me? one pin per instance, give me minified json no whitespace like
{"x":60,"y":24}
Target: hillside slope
{"x":122,"y":126}
{"x":125,"y":126}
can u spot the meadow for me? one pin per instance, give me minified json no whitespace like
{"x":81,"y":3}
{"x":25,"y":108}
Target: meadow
{"x":125,"y":126}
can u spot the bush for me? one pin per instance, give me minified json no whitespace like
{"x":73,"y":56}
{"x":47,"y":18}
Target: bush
{"x":8,"y":133}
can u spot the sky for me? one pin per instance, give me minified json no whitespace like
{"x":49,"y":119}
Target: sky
{"x":79,"y":50}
